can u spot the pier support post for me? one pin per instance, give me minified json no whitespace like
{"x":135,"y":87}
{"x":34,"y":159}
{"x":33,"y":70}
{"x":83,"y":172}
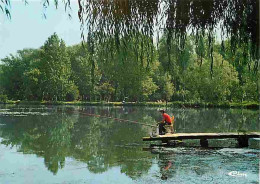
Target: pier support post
{"x":204,"y":143}
{"x":242,"y":141}
{"x":165,"y":142}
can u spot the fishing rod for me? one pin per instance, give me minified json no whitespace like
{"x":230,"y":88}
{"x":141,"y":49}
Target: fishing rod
{"x":118,"y":119}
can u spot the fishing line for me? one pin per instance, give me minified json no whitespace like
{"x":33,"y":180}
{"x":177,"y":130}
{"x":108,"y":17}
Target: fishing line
{"x":118,"y":119}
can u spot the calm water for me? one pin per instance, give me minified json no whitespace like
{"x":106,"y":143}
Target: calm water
{"x":67,"y":144}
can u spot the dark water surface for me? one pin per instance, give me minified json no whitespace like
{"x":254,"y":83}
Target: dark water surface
{"x":68,"y":144}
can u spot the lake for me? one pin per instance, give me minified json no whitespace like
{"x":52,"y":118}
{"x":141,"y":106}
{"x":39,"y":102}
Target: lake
{"x":78,"y":144}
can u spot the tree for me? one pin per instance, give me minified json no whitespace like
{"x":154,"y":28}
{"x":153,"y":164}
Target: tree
{"x":247,"y":87}
{"x":31,"y":83}
{"x":116,"y":19}
{"x":148,"y":88}
{"x":106,"y":90}
{"x":176,"y":60}
{"x":55,"y":68}
{"x":216,"y":87}
{"x":126,"y":70}
{"x":166,"y":87}
{"x":17,"y":71}
{"x":72,"y":92}
{"x":11,"y":78}
{"x":55,"y":72}
{"x":168,"y":90}
{"x":81,"y":67}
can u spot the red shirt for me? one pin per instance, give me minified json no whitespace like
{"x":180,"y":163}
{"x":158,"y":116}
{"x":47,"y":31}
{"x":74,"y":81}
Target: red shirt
{"x":166,"y":118}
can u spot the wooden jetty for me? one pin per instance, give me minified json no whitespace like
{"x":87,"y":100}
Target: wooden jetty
{"x":241,"y":137}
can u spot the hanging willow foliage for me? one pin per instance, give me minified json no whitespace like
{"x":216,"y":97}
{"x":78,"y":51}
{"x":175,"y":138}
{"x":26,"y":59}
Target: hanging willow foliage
{"x":101,"y":20}
{"x":236,"y":19}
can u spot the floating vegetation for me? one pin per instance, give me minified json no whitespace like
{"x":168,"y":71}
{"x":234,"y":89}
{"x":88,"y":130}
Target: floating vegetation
{"x":4,"y":110}
{"x":23,"y":113}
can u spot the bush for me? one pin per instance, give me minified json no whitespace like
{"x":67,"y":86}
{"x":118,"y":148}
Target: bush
{"x":3,"y":98}
{"x":73,"y":93}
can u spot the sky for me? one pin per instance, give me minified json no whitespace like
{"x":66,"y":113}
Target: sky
{"x":28,"y":28}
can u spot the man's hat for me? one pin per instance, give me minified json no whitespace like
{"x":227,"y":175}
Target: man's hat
{"x":162,"y":110}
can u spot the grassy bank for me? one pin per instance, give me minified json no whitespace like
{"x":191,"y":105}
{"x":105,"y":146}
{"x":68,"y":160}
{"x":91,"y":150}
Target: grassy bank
{"x":249,"y":105}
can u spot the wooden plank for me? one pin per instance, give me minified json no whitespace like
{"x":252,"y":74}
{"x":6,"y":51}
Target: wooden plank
{"x":180,"y":136}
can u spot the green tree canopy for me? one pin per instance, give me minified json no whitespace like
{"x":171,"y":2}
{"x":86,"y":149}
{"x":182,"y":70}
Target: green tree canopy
{"x":237,"y":20}
{"x":209,"y":88}
{"x":55,"y":69}
{"x":56,"y":72}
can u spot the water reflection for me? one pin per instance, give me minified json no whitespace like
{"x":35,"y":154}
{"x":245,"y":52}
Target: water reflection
{"x":49,"y":137}
{"x":216,"y":120}
{"x":166,"y":166}
{"x":199,"y":165}
{"x":102,"y":143}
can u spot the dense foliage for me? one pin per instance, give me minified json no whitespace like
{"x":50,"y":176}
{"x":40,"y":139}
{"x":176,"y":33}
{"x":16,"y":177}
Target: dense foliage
{"x":237,"y":20}
{"x":56,"y":72}
{"x":102,"y":20}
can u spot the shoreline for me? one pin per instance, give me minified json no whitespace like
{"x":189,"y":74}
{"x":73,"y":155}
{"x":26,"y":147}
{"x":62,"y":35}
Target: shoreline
{"x":247,"y":105}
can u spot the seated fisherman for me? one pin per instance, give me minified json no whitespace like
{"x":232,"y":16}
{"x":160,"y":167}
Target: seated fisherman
{"x":166,"y":121}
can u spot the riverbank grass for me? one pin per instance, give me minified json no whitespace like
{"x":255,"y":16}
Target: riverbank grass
{"x":245,"y":104}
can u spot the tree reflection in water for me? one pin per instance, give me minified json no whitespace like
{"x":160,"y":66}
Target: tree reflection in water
{"x":103,"y":143}
{"x":100,"y":143}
